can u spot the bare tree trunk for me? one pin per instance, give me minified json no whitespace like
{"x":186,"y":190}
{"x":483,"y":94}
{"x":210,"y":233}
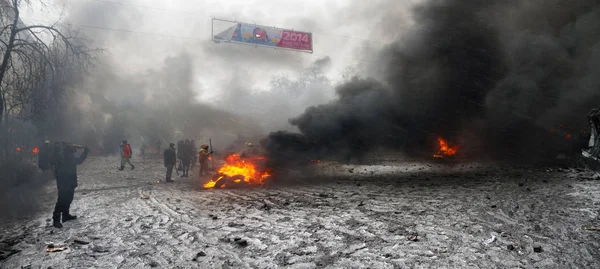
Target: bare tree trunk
{"x":6,"y":57}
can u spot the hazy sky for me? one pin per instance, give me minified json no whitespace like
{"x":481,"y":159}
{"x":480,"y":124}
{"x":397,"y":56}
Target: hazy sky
{"x":145,"y":32}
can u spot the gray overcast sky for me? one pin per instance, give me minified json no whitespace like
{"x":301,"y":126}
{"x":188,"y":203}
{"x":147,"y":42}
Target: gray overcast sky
{"x":342,"y":30}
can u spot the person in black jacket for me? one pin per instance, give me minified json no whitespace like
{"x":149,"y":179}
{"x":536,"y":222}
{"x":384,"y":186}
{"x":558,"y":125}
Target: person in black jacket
{"x":65,"y":170}
{"x":170,"y":159}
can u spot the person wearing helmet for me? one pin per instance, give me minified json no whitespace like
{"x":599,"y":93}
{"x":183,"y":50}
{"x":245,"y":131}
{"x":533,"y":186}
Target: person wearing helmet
{"x":203,"y":155}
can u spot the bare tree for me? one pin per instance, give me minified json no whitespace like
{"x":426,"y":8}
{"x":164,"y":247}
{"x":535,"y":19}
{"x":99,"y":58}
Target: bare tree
{"x":32,"y":58}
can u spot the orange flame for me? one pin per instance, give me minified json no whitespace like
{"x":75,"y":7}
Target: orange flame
{"x":243,"y":169}
{"x":35,"y":150}
{"x":445,"y":149}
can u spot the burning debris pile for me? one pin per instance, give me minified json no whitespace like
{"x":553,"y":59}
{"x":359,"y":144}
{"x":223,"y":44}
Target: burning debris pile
{"x":238,"y":171}
{"x":445,"y":150}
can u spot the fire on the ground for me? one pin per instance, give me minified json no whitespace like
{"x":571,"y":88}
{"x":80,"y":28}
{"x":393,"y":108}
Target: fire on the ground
{"x":240,"y":171}
{"x":445,"y":149}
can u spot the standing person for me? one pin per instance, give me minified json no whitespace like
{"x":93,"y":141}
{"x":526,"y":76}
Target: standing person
{"x":203,"y":155}
{"x":126,"y":154}
{"x":65,"y":170}
{"x":170,"y":159}
{"x":185,"y":158}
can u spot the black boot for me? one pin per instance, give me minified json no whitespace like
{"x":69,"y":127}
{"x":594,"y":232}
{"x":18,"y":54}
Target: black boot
{"x":132,"y":167}
{"x":68,"y":217}
{"x":56,"y":219}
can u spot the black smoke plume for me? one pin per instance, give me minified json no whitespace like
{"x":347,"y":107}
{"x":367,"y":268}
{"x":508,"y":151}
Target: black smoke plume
{"x":502,"y":79}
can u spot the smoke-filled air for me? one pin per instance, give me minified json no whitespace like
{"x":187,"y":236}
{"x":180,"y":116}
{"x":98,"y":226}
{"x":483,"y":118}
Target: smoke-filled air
{"x":499,"y":79}
{"x":300,"y":134}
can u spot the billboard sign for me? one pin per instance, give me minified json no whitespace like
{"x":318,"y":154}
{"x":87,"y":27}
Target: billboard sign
{"x":266,"y":36}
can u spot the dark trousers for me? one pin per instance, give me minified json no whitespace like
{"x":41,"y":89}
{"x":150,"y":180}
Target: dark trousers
{"x":169,"y":171}
{"x":186,"y":167}
{"x":63,"y":203}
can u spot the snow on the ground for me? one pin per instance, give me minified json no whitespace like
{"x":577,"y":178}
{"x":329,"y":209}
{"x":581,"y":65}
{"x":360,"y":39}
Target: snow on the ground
{"x":390,"y":215}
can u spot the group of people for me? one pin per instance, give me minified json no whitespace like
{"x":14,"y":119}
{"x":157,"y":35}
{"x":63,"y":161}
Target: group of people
{"x":186,"y":153}
{"x":61,"y":159}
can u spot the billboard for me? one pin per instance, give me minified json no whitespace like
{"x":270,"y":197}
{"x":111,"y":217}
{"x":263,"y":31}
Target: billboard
{"x":265,"y":36}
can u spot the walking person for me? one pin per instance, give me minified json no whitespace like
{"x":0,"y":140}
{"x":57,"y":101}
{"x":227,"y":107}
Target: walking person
{"x":126,"y":154}
{"x":65,"y":171}
{"x":170,"y":159}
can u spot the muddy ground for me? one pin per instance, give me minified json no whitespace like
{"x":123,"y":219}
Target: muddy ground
{"x":393,"y":214}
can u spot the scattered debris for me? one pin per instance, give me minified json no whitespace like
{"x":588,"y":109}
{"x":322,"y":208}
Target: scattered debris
{"x":198,"y":255}
{"x":413,"y":237}
{"x":153,"y":264}
{"x":240,"y":242}
{"x":351,"y":170}
{"x":52,"y":248}
{"x":265,"y":207}
{"x":143,"y":196}
{"x":362,"y":203}
{"x":510,"y":247}
{"x":491,"y":240}
{"x":537,"y":248}
{"x":81,"y":242}
{"x":233,"y":224}
{"x":591,"y":228}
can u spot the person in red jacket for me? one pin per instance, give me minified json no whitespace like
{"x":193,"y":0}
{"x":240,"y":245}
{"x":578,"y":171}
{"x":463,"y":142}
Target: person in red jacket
{"x":126,"y":153}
